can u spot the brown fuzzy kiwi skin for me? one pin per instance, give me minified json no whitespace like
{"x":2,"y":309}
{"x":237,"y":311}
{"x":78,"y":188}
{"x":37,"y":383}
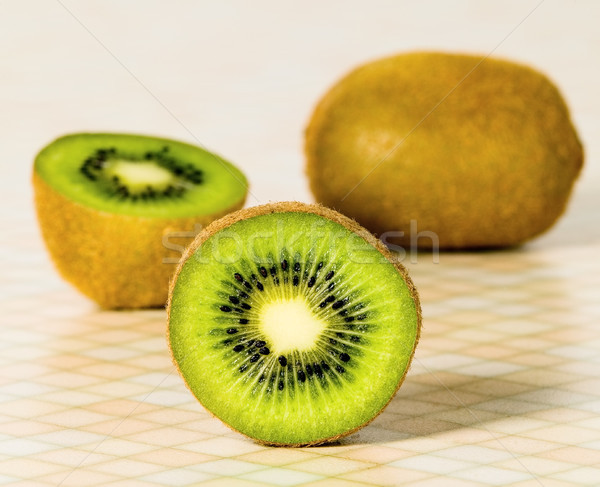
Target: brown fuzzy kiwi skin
{"x":298,"y":207}
{"x":480,"y":151}
{"x":116,"y":260}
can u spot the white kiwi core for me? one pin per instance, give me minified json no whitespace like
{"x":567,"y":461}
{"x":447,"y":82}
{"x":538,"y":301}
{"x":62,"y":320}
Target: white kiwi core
{"x":141,"y":173}
{"x":290,"y":325}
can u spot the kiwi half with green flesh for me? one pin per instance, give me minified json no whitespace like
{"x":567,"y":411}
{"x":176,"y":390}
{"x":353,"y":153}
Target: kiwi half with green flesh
{"x":291,"y":323}
{"x":107,"y":205}
{"x":480,"y":151}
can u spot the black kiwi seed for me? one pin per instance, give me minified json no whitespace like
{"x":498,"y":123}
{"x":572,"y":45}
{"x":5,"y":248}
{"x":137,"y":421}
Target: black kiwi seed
{"x":297,"y":267}
{"x":340,"y":369}
{"x":296,"y":280}
{"x":260,"y":286}
{"x":318,"y":371}
{"x":344,"y":357}
{"x":338,"y":304}
{"x":254,"y":358}
{"x":273,"y":270}
{"x":284,"y":264}
{"x":329,"y":275}
{"x":301,"y":376}
{"x":349,"y":319}
{"x":243,"y":321}
{"x":280,"y":385}
{"x":196,"y":177}
{"x":243,"y":367}
{"x":259,"y":343}
{"x":263,"y":272}
{"x":309,"y":370}
{"x":320,"y":266}
{"x":226,"y":309}
{"x":238,"y":348}
{"x":234,"y":299}
{"x":266,"y":351}
{"x":246,"y":306}
{"x":238,"y":277}
{"x":311,"y":281}
{"x":282,"y":361}
{"x":231,"y":331}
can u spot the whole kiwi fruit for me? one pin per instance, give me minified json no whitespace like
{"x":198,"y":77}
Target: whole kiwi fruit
{"x":291,"y":323}
{"x":115,"y":210}
{"x":476,"y":151}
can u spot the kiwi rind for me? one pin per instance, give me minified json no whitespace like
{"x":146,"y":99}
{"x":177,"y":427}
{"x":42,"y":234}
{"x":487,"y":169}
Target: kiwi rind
{"x":114,"y":259}
{"x":478,"y":150}
{"x":293,"y":206}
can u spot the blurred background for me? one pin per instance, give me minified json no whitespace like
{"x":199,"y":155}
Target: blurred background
{"x":242,"y":78}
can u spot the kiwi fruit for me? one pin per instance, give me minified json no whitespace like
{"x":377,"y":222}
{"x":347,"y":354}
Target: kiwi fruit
{"x":291,"y":323}
{"x":477,"y":152}
{"x":107,"y":205}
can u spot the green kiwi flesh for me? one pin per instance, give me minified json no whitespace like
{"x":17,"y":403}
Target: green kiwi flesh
{"x":291,"y":323}
{"x":140,"y":175}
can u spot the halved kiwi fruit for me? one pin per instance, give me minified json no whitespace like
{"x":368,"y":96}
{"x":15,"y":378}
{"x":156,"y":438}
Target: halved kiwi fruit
{"x":291,"y":323}
{"x":108,"y":203}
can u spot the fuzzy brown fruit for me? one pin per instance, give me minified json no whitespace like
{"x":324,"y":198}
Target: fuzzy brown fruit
{"x":480,"y":151}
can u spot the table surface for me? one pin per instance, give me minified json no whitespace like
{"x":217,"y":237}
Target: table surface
{"x":505,"y":385}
